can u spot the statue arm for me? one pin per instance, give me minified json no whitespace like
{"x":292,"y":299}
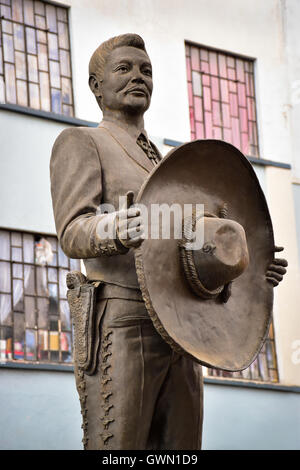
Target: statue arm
{"x":76,"y":188}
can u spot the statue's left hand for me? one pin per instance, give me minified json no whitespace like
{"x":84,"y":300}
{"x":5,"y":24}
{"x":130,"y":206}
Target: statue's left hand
{"x":276,"y":270}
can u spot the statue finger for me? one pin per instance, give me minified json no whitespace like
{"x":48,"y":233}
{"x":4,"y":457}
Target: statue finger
{"x":278,"y":248}
{"x":274,"y":275}
{"x":272,"y":281}
{"x":129,"y":223}
{"x":280,"y":261}
{"x":277,"y":268}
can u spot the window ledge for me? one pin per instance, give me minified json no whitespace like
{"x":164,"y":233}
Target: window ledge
{"x":276,"y":387}
{"x":47,"y":115}
{"x":253,"y":160}
{"x":37,"y":366}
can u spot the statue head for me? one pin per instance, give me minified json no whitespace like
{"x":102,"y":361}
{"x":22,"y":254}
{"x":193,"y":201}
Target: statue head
{"x":120,"y":75}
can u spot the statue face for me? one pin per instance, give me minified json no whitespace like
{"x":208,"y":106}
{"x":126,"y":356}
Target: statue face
{"x":127,"y":81}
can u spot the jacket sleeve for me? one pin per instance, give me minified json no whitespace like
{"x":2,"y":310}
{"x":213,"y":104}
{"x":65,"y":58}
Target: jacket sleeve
{"x":76,"y":188}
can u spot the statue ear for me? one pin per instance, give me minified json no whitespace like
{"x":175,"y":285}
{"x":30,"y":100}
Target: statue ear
{"x":95,"y":85}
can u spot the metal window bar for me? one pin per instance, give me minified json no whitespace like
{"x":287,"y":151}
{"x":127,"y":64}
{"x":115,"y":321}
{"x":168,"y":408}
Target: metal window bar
{"x":221,"y":92}
{"x":53,"y":84}
{"x":217,"y":112}
{"x":62,"y":334}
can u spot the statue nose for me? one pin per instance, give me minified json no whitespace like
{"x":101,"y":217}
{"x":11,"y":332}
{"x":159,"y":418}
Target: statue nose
{"x":137,"y":78}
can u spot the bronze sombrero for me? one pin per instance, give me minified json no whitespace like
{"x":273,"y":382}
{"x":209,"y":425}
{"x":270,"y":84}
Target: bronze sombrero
{"x":213,"y":304}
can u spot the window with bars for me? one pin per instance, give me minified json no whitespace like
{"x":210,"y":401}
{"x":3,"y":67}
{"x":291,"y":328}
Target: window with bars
{"x":222,"y":106}
{"x":35,"y":322}
{"x":35,"y":67}
{"x":263,"y":369}
{"x":222,"y":98}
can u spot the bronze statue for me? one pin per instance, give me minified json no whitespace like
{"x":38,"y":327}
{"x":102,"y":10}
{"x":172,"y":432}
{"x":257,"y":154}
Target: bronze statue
{"x":140,"y":385}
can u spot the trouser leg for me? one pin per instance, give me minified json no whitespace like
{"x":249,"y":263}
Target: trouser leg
{"x":142,"y":395}
{"x":178,"y":416}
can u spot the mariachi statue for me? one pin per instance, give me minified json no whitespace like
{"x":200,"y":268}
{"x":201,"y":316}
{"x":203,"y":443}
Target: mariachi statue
{"x":149,"y":311}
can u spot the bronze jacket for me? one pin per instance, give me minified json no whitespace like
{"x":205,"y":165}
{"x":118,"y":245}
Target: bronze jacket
{"x":89,"y":167}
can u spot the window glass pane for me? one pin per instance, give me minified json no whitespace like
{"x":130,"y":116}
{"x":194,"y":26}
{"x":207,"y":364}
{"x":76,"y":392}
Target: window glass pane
{"x":7,"y":27}
{"x":10,"y":81}
{"x":20,"y":65}
{"x":51,"y":18}
{"x":52,"y":275}
{"x":67,"y":110}
{"x":34,"y":96}
{"x":53,"y":46}
{"x":18,"y":270}
{"x":62,"y":258}
{"x":39,"y":8}
{"x":4,"y":245}
{"x":17,"y":10}
{"x":42,"y":310}
{"x":54,"y":341}
{"x":28,"y":248}
{"x":5,"y":309}
{"x":62,"y":14}
{"x":28,"y":12}
{"x":74,"y":264}
{"x":6,"y":338}
{"x":19,"y":37}
{"x":43,"y":57}
{"x":19,"y":336}
{"x":29,"y":280}
{"x":30,"y":345}
{"x":196,"y":80}
{"x":53,"y":292}
{"x":67,"y":90}
{"x":43,"y":345}
{"x":40,"y":22}
{"x":62,"y":283}
{"x":41,"y":36}
{"x":54,"y":74}
{"x":16,"y":239}
{"x":30,"y":312}
{"x":5,"y":276}
{"x":30,"y":40}
{"x":16,"y":254}
{"x":65,"y":63}
{"x":32,"y":69}
{"x":63,"y":35}
{"x":66,"y":347}
{"x":55,"y":101}
{"x":5,"y":10}
{"x":2,"y":90}
{"x":65,"y":315}
{"x":45,"y":91}
{"x":18,"y":293}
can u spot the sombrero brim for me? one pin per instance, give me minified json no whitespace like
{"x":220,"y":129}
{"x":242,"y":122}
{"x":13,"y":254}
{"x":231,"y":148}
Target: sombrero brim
{"x":222,"y":335}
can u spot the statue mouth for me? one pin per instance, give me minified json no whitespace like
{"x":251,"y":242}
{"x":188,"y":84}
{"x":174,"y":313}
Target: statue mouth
{"x":138,"y":91}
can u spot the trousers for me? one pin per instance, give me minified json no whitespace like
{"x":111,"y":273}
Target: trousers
{"x":143,"y":395}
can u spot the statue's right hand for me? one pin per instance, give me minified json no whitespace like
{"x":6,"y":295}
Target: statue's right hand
{"x":130,"y":228}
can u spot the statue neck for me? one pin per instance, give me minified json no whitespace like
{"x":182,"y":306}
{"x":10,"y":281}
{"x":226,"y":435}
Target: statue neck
{"x":133,"y":124}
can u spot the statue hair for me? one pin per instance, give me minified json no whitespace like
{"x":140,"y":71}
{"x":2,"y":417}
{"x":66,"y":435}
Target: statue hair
{"x":99,"y":57}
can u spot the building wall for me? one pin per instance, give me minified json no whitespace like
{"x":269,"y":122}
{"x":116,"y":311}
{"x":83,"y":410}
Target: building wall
{"x":48,"y":415}
{"x":267,"y":31}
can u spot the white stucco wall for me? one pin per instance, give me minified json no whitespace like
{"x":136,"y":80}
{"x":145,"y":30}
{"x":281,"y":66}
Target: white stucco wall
{"x":251,"y":27}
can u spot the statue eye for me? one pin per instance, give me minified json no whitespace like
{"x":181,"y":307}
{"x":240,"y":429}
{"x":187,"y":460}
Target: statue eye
{"x":122,"y":68}
{"x":147,"y":72}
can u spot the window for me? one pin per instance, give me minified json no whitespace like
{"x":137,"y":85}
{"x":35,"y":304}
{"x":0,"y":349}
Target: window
{"x":35,"y":322}
{"x":35,"y":68}
{"x":222,"y":98}
{"x":263,"y":369}
{"x":222,"y":106}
